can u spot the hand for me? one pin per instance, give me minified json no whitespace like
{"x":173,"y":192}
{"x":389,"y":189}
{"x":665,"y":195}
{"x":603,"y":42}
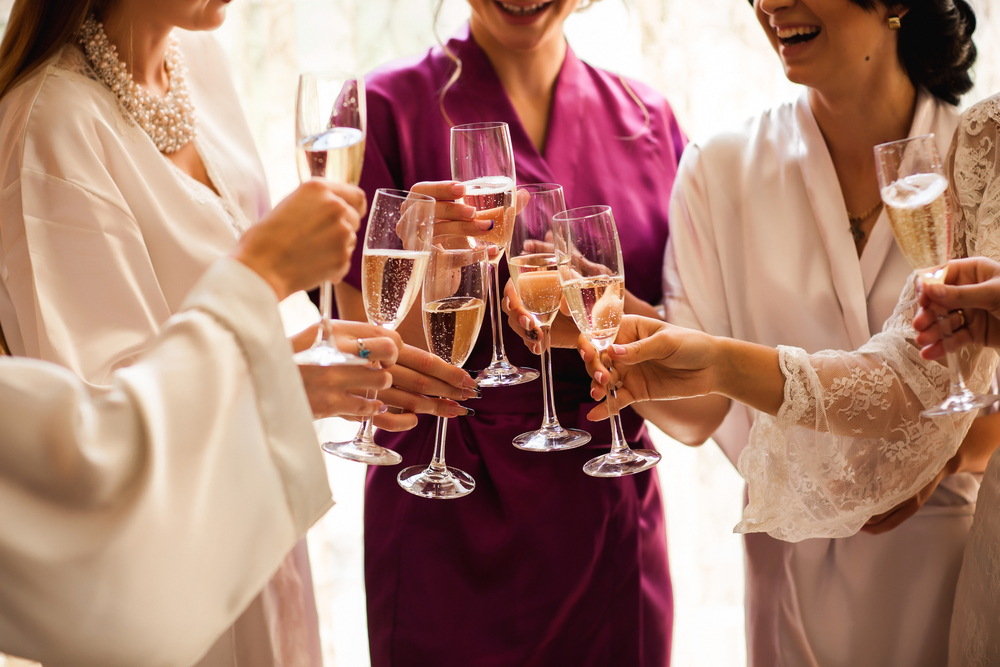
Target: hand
{"x":562,"y":333}
{"x":652,"y":360}
{"x":972,"y":286}
{"x":451,"y":217}
{"x":883,"y":523}
{"x":309,"y":237}
{"x":340,"y":391}
{"x":418,"y":377}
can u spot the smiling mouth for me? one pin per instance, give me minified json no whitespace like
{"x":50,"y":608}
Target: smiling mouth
{"x":792,"y":36}
{"x":522,"y":10}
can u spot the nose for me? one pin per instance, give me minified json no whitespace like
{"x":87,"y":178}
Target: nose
{"x":771,"y":7}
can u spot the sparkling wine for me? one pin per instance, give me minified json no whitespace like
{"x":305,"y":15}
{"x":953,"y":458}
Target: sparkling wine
{"x":597,"y":304}
{"x":920,"y":214}
{"x":536,"y":279}
{"x":390,"y":283}
{"x":451,"y":327}
{"x":493,"y":199}
{"x":336,"y":154}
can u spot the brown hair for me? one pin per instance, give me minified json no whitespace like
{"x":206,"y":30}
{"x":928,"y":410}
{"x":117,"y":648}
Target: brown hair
{"x":36,"y":31}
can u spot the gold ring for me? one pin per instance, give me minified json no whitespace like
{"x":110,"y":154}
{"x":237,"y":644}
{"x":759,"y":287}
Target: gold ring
{"x":961,"y":315}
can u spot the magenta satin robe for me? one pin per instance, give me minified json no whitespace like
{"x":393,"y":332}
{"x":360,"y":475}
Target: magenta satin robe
{"x":541,"y":565}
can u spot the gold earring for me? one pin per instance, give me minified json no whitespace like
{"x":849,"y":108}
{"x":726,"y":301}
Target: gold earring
{"x":894,"y":23}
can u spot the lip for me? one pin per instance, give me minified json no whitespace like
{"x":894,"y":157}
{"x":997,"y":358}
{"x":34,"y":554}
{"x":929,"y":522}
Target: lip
{"x":793,"y":51}
{"x":522,"y":20}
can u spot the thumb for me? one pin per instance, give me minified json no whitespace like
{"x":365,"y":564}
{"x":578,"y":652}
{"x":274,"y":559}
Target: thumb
{"x":985,"y":296}
{"x":636,"y":352}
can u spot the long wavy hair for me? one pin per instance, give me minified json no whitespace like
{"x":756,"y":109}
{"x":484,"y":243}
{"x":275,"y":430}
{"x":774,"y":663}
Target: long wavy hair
{"x":36,"y":31}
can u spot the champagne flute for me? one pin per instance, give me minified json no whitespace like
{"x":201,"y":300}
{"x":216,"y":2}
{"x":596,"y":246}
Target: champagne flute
{"x":393,"y":263}
{"x":482,"y":159}
{"x":593,"y":284}
{"x":914,"y":189}
{"x":329,"y":143}
{"x":531,"y":257}
{"x":454,"y":302}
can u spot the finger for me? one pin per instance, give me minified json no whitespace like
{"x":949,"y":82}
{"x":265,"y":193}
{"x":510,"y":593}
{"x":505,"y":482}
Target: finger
{"x":449,"y":210}
{"x":440,"y":190}
{"x":422,"y":383}
{"x":477,"y":228}
{"x":936,"y":350}
{"x":381,"y":349}
{"x":346,"y":378}
{"x":985,"y":296}
{"x":337,"y":403}
{"x":600,"y":411}
{"x":425,"y":363}
{"x":421,"y":405}
{"x":304,"y":339}
{"x":390,"y":421}
{"x":640,"y":350}
{"x":353,"y":195}
{"x":353,"y":330}
{"x":893,"y":519}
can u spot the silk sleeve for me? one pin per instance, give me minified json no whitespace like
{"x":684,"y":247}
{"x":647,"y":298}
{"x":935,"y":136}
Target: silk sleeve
{"x":848,"y":441}
{"x":137,"y":523}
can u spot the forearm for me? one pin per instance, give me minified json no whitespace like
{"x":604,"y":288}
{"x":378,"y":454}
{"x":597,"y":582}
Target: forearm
{"x":977,"y":448}
{"x":750,"y":374}
{"x":691,"y":421}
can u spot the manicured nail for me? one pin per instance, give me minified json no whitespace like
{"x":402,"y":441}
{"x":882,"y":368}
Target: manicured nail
{"x":467,"y":212}
{"x":458,"y":189}
{"x":455,"y":411}
{"x":618,"y":349}
{"x":593,"y":394}
{"x":383,"y":409}
{"x":524,"y":322}
{"x":506,"y":303}
{"x":485,"y":225}
{"x":469,"y":383}
{"x":470,"y":394}
{"x":469,"y":412}
{"x":599,"y":377}
{"x":582,"y":354}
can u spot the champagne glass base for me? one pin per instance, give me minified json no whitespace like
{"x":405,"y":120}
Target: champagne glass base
{"x":551,"y":439}
{"x":363,"y":452}
{"x":620,"y":465}
{"x":325,"y":354}
{"x":965,"y":401}
{"x":440,"y":485}
{"x":505,"y":374}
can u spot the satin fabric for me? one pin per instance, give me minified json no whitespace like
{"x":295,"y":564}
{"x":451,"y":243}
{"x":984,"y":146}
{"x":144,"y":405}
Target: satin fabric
{"x":761,"y":250}
{"x":102,"y":237}
{"x":136,"y":524}
{"x":540,"y":565}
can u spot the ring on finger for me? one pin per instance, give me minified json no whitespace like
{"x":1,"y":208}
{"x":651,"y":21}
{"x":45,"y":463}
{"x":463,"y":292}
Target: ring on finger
{"x":961,"y":318}
{"x":363,"y":350}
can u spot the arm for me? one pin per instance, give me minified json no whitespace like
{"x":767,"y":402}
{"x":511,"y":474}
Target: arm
{"x":140,"y":522}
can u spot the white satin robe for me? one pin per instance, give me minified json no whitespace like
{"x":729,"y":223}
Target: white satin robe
{"x":101,"y":239}
{"x":761,"y":250}
{"x":137,"y":524}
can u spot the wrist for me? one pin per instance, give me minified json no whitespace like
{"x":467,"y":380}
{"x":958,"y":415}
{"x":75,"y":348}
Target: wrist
{"x":748,"y":373}
{"x":262,"y":269}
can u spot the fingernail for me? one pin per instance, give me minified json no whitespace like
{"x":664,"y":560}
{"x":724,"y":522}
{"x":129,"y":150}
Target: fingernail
{"x":470,"y":383}
{"x":506,"y":303}
{"x":458,"y":189}
{"x":524,"y":322}
{"x":470,"y":394}
{"x":532,"y":334}
{"x":599,"y":377}
{"x":618,"y":349}
{"x":383,"y":409}
{"x":582,"y":355}
{"x":485,"y":225}
{"x":467,"y":212}
{"x":456,"y":410}
{"x":593,"y":394}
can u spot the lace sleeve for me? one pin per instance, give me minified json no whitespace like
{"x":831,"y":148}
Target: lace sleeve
{"x":848,"y":442}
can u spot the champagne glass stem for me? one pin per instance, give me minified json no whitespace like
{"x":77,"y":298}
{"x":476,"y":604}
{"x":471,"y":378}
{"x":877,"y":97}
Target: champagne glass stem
{"x":367,"y":433}
{"x":954,"y":369}
{"x":437,"y":462}
{"x":619,"y":446}
{"x":496,"y":315}
{"x":326,"y":312}
{"x":550,"y":421}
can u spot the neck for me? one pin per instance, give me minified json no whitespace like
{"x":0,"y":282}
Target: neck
{"x":856,"y":117}
{"x":525,"y":74}
{"x":142,"y":46}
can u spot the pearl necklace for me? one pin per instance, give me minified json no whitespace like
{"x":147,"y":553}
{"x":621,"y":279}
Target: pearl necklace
{"x":169,"y":121}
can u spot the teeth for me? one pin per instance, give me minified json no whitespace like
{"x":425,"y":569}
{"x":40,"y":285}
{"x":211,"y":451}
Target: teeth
{"x":785,"y":33}
{"x":523,"y":10}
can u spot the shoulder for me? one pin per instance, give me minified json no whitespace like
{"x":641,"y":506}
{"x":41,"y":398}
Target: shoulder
{"x":982,"y":113}
{"x":767,"y":131}
{"x":57,"y":111}
{"x":407,"y":79}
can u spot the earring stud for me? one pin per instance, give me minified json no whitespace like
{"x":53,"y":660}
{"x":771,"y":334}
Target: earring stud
{"x":894,"y":23}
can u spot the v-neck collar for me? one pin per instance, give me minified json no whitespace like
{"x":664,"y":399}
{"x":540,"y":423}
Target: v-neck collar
{"x":480,"y":89}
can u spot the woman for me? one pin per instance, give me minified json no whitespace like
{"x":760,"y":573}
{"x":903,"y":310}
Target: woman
{"x":125,"y":175}
{"x":838,"y":437}
{"x":766,"y":247}
{"x":541,"y":565}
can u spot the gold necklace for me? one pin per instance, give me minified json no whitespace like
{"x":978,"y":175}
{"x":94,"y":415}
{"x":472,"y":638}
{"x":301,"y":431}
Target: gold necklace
{"x":856,"y":220}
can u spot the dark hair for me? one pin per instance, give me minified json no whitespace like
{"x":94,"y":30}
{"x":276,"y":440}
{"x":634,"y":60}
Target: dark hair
{"x":935,"y":44}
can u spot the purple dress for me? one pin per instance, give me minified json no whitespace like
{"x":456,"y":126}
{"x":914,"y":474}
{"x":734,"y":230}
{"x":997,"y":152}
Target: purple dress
{"x":541,"y":565}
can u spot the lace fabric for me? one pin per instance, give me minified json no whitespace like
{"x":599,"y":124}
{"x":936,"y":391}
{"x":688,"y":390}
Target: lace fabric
{"x":849,"y":442}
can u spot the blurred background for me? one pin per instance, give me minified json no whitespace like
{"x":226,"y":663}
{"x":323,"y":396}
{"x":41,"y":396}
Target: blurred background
{"x":711,"y":60}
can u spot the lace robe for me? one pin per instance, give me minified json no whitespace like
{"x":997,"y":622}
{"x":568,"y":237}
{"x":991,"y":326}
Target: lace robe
{"x":848,"y":442}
